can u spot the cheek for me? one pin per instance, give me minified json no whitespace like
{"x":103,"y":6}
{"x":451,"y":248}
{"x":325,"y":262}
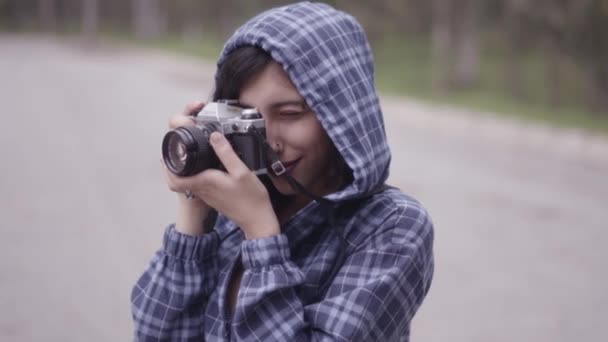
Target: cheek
{"x":306,"y":136}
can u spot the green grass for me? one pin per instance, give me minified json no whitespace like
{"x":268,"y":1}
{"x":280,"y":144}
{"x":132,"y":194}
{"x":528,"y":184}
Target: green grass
{"x":207,"y":48}
{"x":403,"y":67}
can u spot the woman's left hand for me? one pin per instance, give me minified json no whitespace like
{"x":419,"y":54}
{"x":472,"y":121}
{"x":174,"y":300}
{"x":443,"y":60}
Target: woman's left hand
{"x":237,"y":193}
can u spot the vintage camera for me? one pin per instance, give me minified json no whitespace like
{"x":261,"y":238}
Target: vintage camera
{"x":186,"y":150}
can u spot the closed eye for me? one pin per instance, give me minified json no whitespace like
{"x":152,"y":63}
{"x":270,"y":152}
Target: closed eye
{"x":291,"y":113}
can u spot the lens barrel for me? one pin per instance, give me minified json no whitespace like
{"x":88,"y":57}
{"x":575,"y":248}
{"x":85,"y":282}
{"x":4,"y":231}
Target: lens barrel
{"x":186,"y":150}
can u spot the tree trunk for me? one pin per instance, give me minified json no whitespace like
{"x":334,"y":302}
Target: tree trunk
{"x":553,"y":74}
{"x":466,"y":64}
{"x":90,"y":20}
{"x":441,"y":44}
{"x":149,"y":21}
{"x":46,"y":15}
{"x":599,"y":81}
{"x":516,"y":46}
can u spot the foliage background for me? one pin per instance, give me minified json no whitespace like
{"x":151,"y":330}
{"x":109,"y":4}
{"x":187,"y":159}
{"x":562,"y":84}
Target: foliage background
{"x":544,"y":59}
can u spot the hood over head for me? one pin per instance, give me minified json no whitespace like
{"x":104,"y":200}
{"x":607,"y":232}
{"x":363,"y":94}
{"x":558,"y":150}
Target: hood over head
{"x":327,"y":56}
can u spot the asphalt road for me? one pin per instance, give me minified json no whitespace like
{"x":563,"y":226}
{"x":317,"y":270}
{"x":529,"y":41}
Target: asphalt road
{"x":521,"y":211}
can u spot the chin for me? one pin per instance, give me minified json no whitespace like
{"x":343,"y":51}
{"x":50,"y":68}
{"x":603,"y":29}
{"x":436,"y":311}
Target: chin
{"x":283,"y":187}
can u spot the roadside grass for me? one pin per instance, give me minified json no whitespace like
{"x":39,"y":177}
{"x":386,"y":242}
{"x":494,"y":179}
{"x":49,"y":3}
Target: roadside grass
{"x":208,"y":47}
{"x":404,"y":69}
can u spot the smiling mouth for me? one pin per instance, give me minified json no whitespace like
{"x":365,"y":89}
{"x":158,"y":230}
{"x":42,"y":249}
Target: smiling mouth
{"x":290,"y":165}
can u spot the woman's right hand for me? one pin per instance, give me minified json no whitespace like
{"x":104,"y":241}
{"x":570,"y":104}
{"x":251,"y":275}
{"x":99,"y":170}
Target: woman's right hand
{"x":190,"y":212}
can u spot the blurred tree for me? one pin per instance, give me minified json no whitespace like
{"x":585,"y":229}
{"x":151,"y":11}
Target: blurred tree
{"x":517,"y":42}
{"x":563,"y":32}
{"x":466,"y":45}
{"x":441,"y":44}
{"x":149,"y":19}
{"x":590,"y":43}
{"x":186,"y":17}
{"x":47,"y":15}
{"x":90,"y":20}
{"x":455,"y":44}
{"x":546,"y":50}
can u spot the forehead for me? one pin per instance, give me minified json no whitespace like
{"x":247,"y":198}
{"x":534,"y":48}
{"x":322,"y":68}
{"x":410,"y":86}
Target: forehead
{"x":271,"y":85}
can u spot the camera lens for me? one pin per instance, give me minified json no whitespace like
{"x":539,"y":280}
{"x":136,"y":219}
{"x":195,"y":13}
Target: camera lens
{"x":186,"y":150}
{"x":178,"y":152}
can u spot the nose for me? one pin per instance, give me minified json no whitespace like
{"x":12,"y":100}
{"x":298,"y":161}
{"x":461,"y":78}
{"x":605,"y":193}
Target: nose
{"x":273,"y":136}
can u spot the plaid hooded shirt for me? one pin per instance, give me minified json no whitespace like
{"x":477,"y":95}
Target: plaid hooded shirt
{"x":384,"y":271}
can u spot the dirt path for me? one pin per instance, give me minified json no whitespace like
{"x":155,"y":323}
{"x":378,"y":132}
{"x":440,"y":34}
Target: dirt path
{"x":521,"y":212}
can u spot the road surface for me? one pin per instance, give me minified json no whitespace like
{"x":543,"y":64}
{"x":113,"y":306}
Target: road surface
{"x":521,"y":211}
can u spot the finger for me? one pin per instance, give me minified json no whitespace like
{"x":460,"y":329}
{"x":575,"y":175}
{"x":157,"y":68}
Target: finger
{"x":176,"y":183}
{"x":171,"y":179}
{"x":233,"y":164}
{"x":193,"y":108}
{"x":211,"y":180}
{"x":179,"y":121}
{"x":183,"y":184}
{"x":211,"y":184}
{"x":185,"y":118}
{"x":205,"y":186}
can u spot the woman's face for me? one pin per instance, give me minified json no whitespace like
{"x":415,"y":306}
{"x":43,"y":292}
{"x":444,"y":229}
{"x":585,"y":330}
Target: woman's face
{"x":292,"y":129}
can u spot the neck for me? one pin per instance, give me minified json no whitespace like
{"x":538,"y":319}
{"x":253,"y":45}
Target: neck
{"x":285,"y":206}
{"x":289,"y":206}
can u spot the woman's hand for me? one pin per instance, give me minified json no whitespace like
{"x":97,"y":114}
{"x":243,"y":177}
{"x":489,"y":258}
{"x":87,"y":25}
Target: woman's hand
{"x":237,"y":193}
{"x":190,"y":212}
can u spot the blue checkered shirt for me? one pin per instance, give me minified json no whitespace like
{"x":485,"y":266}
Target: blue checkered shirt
{"x":386,"y":267}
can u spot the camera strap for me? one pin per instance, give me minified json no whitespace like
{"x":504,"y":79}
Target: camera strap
{"x":332,"y":206}
{"x":278,"y":169}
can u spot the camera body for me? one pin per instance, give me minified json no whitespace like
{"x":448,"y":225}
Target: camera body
{"x":186,"y":150}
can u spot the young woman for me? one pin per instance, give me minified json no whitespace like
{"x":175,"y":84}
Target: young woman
{"x":325,"y":252}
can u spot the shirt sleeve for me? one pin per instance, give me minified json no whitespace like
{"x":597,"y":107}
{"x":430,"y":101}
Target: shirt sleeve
{"x":169,"y":299}
{"x":373,"y":297}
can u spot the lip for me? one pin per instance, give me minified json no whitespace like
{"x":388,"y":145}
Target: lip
{"x":290,"y":165}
